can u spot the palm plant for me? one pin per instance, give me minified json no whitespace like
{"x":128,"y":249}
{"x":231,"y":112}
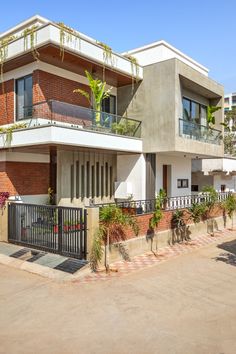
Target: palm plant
{"x":98,"y":94}
{"x":112,"y":220}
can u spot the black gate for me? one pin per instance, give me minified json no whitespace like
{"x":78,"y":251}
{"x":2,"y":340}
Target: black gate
{"x":54,"y":229}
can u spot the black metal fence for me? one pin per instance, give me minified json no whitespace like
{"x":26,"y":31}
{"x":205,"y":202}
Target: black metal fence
{"x":139,"y":207}
{"x":61,"y":230}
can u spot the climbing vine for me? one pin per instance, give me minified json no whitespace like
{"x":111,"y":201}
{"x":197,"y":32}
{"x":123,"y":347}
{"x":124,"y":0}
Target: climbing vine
{"x":66,"y":36}
{"x":107,"y":56}
{"x":30,"y":35}
{"x":134,"y":69}
{"x":9,"y":130}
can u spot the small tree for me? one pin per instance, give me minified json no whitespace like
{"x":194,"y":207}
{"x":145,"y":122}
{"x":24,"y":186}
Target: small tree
{"x":230,"y":206}
{"x":158,"y":213}
{"x":211,"y":200}
{"x":112,"y":222}
{"x":98,"y":94}
{"x":196,"y":212}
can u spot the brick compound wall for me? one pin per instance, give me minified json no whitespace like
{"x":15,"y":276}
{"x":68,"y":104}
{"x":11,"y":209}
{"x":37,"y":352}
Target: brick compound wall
{"x":165,"y":223}
{"x":24,"y":178}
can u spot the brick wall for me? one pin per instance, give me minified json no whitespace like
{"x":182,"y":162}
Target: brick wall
{"x":24,"y":178}
{"x":45,"y":86}
{"x":49,"y":86}
{"x":7,"y":102}
{"x":165,"y":223}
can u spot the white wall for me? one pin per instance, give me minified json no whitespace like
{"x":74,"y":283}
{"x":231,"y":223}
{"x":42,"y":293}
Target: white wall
{"x":180,"y":169}
{"x":160,"y":51}
{"x":132,"y":169}
{"x":69,"y":136}
{"x":208,"y":165}
{"x":229,"y":181}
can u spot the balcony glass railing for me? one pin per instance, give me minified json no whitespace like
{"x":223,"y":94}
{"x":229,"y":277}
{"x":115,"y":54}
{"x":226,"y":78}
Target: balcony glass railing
{"x":61,"y":113}
{"x":199,"y":132}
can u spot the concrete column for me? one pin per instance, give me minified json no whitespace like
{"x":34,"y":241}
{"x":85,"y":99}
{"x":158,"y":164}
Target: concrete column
{"x":92,"y":225}
{"x":4,"y":224}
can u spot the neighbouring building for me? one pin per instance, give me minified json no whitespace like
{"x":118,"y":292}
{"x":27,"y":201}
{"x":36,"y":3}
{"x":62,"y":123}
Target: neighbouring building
{"x":229,"y":101}
{"x":150,"y":129}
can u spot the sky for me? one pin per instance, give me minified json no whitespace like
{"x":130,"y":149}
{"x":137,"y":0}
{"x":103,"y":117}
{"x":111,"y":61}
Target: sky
{"x":204,"y":30}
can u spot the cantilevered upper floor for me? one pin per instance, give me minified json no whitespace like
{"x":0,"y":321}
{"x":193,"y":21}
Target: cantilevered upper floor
{"x":60,"y":45}
{"x":43,"y":63}
{"x":172,"y":102}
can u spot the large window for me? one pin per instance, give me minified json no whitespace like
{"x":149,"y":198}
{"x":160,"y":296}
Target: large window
{"x":194,"y":111}
{"x":24,"y":97}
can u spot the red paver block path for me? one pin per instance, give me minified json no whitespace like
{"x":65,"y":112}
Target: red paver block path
{"x":148,"y":259}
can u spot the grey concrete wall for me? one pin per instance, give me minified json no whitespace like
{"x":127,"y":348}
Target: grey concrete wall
{"x":157,"y":102}
{"x":66,"y":159}
{"x":154,"y":104}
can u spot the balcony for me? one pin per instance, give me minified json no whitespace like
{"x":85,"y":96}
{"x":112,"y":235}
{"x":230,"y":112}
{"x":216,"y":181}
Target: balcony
{"x":64,"y":114}
{"x":199,"y":132}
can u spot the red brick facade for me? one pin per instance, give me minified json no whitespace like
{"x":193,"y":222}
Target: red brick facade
{"x":7,"y":102}
{"x":24,"y":178}
{"x":49,"y":86}
{"x":46,"y":86}
{"x":165,"y":223}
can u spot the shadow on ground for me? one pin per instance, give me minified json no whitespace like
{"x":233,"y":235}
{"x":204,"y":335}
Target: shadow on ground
{"x":228,"y":257}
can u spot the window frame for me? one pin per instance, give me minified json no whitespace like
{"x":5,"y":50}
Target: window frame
{"x":182,"y":183}
{"x":103,"y":102}
{"x":16,"y":96}
{"x":201,"y":106}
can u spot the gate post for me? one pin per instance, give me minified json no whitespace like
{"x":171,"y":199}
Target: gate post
{"x":4,"y":223}
{"x":92,"y":225}
{"x":60,"y":230}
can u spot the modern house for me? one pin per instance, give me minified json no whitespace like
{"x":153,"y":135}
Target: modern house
{"x":229,"y":101}
{"x":151,"y":126}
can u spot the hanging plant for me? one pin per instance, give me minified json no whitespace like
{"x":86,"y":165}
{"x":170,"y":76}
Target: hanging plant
{"x":134,"y":69}
{"x":9,"y":130}
{"x":66,"y":36}
{"x":3,"y":56}
{"x":107,"y":56}
{"x":3,"y":53}
{"x":30,"y":33}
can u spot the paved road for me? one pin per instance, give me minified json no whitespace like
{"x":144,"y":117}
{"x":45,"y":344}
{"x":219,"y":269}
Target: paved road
{"x":186,"y":305}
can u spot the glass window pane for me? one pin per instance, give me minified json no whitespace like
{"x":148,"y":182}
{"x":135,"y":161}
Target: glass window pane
{"x":113,"y":104}
{"x":204,"y":115}
{"x":195,"y":112}
{"x":186,"y":109}
{"x":28,"y":96}
{"x":20,"y":99}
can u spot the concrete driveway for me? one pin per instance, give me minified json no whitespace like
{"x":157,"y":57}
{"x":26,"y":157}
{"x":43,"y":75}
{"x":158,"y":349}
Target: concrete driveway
{"x":186,"y":305}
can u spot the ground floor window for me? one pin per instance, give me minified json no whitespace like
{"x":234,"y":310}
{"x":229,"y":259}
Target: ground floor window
{"x":182,"y":183}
